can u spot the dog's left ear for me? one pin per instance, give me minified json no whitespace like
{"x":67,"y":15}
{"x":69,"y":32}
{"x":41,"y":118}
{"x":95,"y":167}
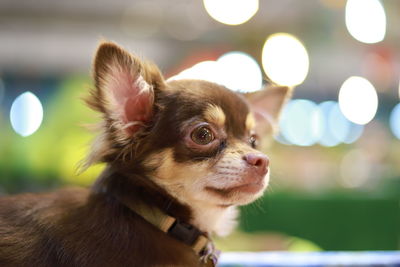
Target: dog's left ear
{"x":267,"y":105}
{"x":124,"y":89}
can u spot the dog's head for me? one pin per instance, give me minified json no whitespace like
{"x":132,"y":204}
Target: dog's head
{"x":196,"y":139}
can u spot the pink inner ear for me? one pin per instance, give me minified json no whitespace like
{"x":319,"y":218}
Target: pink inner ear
{"x":138,"y":111}
{"x":265,"y":122}
{"x":133,"y":98}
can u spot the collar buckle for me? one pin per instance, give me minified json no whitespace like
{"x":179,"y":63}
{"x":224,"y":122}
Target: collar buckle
{"x":184,"y":232}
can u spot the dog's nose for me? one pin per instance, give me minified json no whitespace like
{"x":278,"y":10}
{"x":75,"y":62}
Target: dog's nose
{"x":259,"y":161}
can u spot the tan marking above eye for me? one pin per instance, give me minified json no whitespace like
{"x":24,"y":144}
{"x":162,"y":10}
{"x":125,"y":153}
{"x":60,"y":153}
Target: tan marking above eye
{"x":214,"y":114}
{"x":250,"y":122}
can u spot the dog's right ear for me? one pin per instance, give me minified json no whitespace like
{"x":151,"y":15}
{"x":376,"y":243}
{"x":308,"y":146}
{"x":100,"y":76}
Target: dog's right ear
{"x":124,"y":89}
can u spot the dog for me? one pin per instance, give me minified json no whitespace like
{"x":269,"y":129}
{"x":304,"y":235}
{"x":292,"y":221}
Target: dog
{"x":180,"y":156}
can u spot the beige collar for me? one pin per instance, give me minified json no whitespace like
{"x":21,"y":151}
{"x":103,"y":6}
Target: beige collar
{"x":183,"y":232}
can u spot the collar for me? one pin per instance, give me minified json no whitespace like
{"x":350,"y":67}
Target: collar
{"x":184,"y":232}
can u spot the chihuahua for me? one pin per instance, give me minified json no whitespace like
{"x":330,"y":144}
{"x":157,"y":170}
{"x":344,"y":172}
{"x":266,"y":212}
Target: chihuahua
{"x":180,"y":156}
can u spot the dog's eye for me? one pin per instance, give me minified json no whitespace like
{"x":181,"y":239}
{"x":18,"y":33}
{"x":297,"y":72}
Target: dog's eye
{"x":253,"y":141}
{"x":202,"y":135}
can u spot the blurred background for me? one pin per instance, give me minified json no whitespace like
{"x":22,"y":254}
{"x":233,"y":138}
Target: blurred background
{"x":336,"y":163}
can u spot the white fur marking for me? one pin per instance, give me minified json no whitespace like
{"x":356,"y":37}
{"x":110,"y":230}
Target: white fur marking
{"x":143,"y":86}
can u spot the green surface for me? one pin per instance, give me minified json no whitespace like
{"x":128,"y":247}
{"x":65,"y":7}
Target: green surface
{"x":331,"y":222}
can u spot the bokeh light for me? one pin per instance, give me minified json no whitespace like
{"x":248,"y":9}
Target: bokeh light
{"x":358,"y":100}
{"x":299,"y":123}
{"x":338,"y":124}
{"x":240,"y":72}
{"x":231,"y":12}
{"x":235,"y":70}
{"x":285,"y":59}
{"x":354,"y":133}
{"x":205,"y":70}
{"x":366,"y":20}
{"x":26,"y":114}
{"x":395,"y":121}
{"x":328,"y":137}
{"x":326,"y":124}
{"x":343,"y":130}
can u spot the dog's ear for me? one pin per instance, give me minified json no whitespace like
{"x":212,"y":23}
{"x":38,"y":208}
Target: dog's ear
{"x":124,"y":88}
{"x":267,"y":105}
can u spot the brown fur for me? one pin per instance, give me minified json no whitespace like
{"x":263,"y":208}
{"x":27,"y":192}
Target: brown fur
{"x":74,"y":227}
{"x":150,"y":164}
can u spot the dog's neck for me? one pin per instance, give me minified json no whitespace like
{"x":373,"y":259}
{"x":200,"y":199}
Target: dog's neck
{"x":214,"y":219}
{"x":208,"y":218}
{"x":133,"y":186}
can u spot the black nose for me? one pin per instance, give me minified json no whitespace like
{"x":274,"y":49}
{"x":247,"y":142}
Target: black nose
{"x":259,"y":161}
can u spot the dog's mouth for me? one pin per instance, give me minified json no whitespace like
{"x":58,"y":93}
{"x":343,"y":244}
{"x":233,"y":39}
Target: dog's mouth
{"x":251,"y":184}
{"x":247,"y":188}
